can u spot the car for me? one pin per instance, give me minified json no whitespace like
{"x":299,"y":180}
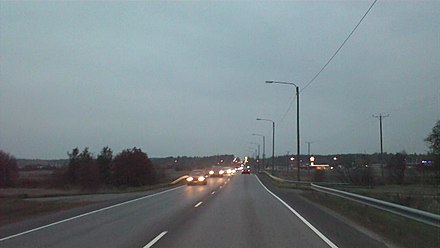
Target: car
{"x":197,"y":177}
{"x":228,"y":171}
{"x":216,"y":171}
{"x":246,"y":170}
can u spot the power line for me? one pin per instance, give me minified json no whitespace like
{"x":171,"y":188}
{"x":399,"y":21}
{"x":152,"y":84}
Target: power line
{"x":340,"y":47}
{"x":288,"y":109}
{"x":328,"y":62}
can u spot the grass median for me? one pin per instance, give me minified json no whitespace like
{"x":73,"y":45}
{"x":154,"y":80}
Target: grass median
{"x":16,"y":209}
{"x":18,"y":204}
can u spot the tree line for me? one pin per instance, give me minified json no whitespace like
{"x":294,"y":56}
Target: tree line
{"x":131,"y":167}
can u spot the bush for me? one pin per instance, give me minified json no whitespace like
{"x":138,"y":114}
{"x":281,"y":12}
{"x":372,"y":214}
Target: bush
{"x":318,"y":175}
{"x":8,"y":170}
{"x":132,"y":167}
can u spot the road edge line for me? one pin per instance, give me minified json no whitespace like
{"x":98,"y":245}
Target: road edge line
{"x":314,"y":229}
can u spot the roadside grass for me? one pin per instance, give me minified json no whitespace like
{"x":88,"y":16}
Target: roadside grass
{"x":16,"y":209}
{"x":423,"y":197}
{"x":34,"y":184}
{"x":399,"y":230}
{"x":289,"y":185}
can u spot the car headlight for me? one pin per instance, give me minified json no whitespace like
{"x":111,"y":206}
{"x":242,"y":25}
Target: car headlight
{"x":221,"y":172}
{"x":211,"y":172}
{"x":201,"y":179}
{"x":189,"y":179}
{"x":229,"y":171}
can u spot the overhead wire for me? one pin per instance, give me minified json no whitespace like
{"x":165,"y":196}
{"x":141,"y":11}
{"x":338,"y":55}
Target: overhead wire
{"x":329,"y":60}
{"x":340,"y":47}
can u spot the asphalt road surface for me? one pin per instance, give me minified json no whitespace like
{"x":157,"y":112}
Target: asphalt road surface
{"x":228,"y":212}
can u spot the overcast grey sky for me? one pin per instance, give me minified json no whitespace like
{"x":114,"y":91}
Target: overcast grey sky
{"x":187,"y":78}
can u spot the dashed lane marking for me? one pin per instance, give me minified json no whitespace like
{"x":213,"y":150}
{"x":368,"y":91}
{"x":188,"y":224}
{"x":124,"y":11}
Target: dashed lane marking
{"x":152,"y":242}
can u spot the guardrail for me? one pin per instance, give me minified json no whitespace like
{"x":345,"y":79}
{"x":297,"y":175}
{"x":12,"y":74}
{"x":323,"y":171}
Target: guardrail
{"x":179,"y":179}
{"x":412,"y":213}
{"x":284,"y":180}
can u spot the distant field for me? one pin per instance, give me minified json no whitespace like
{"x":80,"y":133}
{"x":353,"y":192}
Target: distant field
{"x":34,"y":184}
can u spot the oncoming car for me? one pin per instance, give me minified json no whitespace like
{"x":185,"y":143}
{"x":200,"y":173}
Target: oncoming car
{"x":228,"y":171}
{"x":216,"y":171}
{"x":197,"y":177}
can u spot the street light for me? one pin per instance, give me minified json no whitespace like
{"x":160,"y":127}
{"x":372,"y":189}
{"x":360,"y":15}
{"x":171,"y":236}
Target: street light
{"x":258,"y":144}
{"x":297,"y":123}
{"x":264,"y":146}
{"x":253,"y":150}
{"x":273,"y":141}
{"x":258,"y":154}
{"x":312,"y":161}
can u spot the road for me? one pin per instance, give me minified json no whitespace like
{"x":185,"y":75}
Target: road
{"x":228,"y":212}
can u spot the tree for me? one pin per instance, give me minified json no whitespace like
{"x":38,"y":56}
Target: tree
{"x":104,"y":161}
{"x":433,"y":141}
{"x":72,"y":166}
{"x":88,"y":172}
{"x":132,"y":167}
{"x":8,"y":169}
{"x":82,"y":169}
{"x":397,"y":165}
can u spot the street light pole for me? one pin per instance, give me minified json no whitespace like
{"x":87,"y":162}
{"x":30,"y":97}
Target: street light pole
{"x":264,"y":146}
{"x":297,"y":124}
{"x":258,"y":145}
{"x":273,"y":142}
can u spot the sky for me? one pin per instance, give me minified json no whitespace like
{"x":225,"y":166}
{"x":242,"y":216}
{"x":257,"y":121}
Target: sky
{"x":187,"y":78}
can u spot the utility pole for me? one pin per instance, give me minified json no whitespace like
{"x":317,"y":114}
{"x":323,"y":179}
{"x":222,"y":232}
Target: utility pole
{"x":273,"y":147}
{"x":264,"y":148}
{"x":308,"y":147}
{"x":380,"y":117}
{"x":273,"y":142}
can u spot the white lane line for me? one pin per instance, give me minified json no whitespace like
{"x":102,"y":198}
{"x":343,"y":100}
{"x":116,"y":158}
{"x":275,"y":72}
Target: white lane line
{"x":221,"y":186}
{"x":213,"y":192}
{"x":89,"y":213}
{"x":322,"y":236}
{"x":152,"y":242}
{"x":198,"y":204}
